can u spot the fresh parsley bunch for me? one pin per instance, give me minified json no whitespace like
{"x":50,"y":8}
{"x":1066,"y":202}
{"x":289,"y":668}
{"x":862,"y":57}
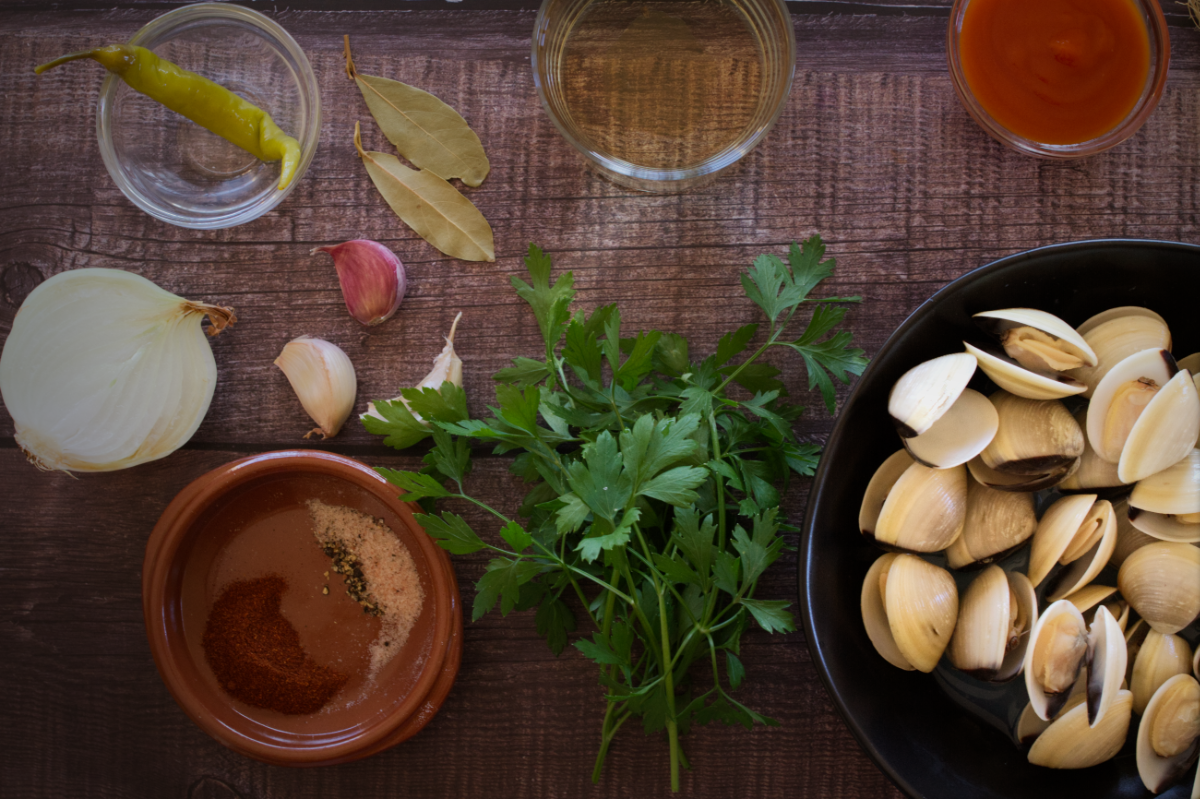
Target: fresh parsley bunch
{"x":654,"y":494}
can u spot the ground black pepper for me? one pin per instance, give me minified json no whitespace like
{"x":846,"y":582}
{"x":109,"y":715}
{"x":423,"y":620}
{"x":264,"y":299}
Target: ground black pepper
{"x":256,"y":655}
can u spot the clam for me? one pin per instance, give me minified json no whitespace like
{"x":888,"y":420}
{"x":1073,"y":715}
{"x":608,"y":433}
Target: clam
{"x":1035,"y":437}
{"x":1190,"y":362}
{"x":1158,"y":659}
{"x":958,"y":435}
{"x":922,"y":511}
{"x":924,"y":393}
{"x":1106,"y":661}
{"x":994,"y":619}
{"x":1169,"y":736}
{"x":1093,"y":472}
{"x":1129,"y":538}
{"x":996,"y":523}
{"x":1038,"y":349}
{"x":1078,"y":531}
{"x":878,"y":487}
{"x":1029,"y":726}
{"x":1162,"y":582}
{"x":1144,"y":415}
{"x":909,"y":609}
{"x":1166,"y":505}
{"x":1001,"y":481}
{"x":1057,"y":649}
{"x":1116,"y":334}
{"x":1071,"y":743}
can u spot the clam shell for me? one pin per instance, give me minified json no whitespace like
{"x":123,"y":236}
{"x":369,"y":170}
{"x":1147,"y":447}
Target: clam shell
{"x":1165,"y":432}
{"x":1090,"y":596}
{"x":958,"y":435}
{"x":1016,"y":379}
{"x":921,"y":602}
{"x":877,"y":490}
{"x":1001,"y":481}
{"x":1064,"y":656}
{"x":1159,"y":658}
{"x":924,"y":509}
{"x":1068,"y":339}
{"x":1059,"y":538}
{"x":1035,"y":437}
{"x":1094,"y":472}
{"x":1106,"y":664}
{"x":1162,"y":582}
{"x":874,"y":614}
{"x":1154,"y":365}
{"x":1070,"y":743}
{"x":1115,"y":335}
{"x":925,"y":392}
{"x":1129,"y":538}
{"x":1158,"y":501}
{"x":1180,"y":696}
{"x":982,"y":645}
{"x":1190,"y":362}
{"x":996,"y":523}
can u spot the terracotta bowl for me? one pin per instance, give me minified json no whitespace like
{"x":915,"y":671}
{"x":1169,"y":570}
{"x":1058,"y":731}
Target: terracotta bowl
{"x":248,"y":519}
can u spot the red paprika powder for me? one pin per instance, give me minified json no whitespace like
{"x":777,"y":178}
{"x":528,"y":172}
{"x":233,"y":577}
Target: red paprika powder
{"x":256,"y":655}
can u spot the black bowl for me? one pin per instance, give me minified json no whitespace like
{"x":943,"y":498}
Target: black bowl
{"x":917,"y":734}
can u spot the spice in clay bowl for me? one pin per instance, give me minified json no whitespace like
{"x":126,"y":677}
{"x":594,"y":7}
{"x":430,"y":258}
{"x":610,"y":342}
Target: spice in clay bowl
{"x":297,"y":612}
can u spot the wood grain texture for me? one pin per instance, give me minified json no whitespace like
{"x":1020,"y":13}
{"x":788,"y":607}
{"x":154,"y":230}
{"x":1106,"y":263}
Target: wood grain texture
{"x":873,"y":152}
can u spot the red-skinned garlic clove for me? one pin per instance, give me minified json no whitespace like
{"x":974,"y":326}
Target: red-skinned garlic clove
{"x":371,"y":276}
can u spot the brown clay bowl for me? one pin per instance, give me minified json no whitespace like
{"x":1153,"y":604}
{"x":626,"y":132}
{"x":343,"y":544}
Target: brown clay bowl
{"x":247,"y":519}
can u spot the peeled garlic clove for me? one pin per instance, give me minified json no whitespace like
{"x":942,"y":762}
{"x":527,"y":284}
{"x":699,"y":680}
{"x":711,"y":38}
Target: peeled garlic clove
{"x":104,"y":370}
{"x":323,"y":378}
{"x":447,"y":368}
{"x":372,"y":279}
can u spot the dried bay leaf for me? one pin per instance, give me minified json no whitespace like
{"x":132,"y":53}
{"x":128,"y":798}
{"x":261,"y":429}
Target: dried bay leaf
{"x":426,"y":131}
{"x":430,"y":206}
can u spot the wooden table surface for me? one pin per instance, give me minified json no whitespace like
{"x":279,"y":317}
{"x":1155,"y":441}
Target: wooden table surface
{"x":873,"y":152}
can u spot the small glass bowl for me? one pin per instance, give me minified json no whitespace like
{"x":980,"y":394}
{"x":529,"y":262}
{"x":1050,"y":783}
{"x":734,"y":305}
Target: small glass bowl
{"x":769,"y":26}
{"x":1156,"y":78}
{"x":177,"y":171}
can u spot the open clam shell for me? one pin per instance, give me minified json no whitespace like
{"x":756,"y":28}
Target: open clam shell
{"x":878,"y":488}
{"x":1158,"y":659}
{"x":1054,"y":657}
{"x":1169,"y":736}
{"x":1078,"y":531}
{"x":919,"y":606}
{"x":1035,"y":437}
{"x":1002,"y":481}
{"x":1116,"y":334}
{"x":1107,"y":658}
{"x":924,"y":393}
{"x":997,"y":611}
{"x":1166,"y":505}
{"x":1144,"y":415}
{"x":1071,"y":743}
{"x":1162,"y":582}
{"x":1038,"y":348}
{"x":958,"y":435}
{"x":996,"y":524}
{"x":1129,"y":538}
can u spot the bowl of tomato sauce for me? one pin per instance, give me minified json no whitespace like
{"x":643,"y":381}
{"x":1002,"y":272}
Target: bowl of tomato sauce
{"x":1059,"y":78}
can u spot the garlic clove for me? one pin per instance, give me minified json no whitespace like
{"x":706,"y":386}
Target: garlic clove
{"x":372,"y":279}
{"x":323,"y":378}
{"x":447,"y":367}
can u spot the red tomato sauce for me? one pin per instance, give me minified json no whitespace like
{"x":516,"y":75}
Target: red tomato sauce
{"x":1055,"y":71}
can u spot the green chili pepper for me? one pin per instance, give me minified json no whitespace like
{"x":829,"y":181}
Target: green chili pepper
{"x":208,"y":104}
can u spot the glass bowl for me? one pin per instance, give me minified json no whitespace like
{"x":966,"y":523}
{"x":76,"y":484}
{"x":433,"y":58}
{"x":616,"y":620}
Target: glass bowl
{"x":177,"y":171}
{"x":663,"y":95}
{"x":1156,"y":76}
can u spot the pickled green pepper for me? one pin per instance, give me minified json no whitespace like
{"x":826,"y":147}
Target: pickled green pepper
{"x":209,"y":105}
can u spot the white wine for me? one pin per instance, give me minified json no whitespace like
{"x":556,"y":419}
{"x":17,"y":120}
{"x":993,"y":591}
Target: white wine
{"x":664,"y":84}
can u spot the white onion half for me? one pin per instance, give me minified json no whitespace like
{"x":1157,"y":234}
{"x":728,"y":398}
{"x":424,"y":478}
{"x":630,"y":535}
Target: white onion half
{"x":104,"y":370}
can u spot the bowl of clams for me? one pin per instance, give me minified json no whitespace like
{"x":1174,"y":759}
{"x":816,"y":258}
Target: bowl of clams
{"x":1001,"y":558}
